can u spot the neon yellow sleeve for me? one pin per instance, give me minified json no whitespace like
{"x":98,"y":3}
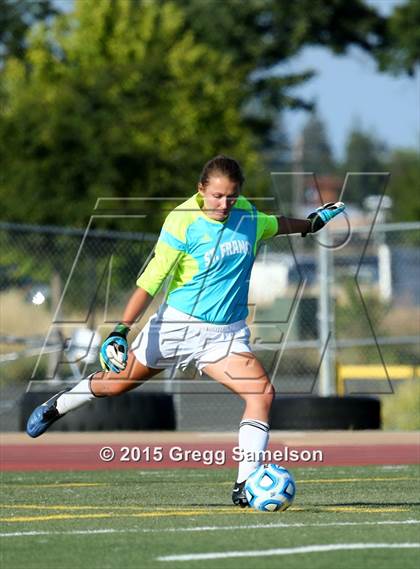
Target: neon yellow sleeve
{"x":170,"y":246}
{"x":158,"y":268}
{"x":267,"y":226}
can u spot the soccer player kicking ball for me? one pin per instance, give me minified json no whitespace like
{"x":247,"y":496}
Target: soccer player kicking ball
{"x":208,"y":245}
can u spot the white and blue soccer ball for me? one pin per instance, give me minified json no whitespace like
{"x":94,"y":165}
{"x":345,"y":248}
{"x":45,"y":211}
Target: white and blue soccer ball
{"x":270,"y":488}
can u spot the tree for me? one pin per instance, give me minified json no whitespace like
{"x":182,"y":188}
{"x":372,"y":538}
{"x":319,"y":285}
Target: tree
{"x":276,"y":149}
{"x":364,"y":154}
{"x":316,"y":152}
{"x":261,"y":34}
{"x":16,"y":18}
{"x":114,"y":101}
{"x":404,"y":166}
{"x":403,"y":39}
{"x":122,"y":98}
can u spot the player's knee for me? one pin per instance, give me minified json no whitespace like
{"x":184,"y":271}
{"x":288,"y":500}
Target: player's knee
{"x":263,"y":399}
{"x":271,"y":392}
{"x":269,"y":395}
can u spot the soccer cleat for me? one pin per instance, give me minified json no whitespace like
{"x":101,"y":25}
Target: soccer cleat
{"x":44,"y":416}
{"x":239,"y":496}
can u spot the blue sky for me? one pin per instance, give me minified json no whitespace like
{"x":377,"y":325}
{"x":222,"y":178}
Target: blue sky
{"x":349,"y":88}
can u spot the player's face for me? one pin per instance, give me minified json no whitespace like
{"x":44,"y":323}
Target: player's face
{"x":219,"y":195}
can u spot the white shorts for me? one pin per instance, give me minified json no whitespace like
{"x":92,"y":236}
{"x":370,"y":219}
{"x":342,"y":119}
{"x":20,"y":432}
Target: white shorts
{"x":174,"y":339}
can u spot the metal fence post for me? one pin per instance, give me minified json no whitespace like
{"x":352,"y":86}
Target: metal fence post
{"x":326,"y":317}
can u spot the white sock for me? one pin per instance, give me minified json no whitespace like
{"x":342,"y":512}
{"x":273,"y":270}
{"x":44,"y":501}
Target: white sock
{"x":76,"y":397}
{"x":253,"y":436}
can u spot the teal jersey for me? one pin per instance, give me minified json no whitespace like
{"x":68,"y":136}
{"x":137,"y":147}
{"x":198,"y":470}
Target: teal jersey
{"x":209,"y":261}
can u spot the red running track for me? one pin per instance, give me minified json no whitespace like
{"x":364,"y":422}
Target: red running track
{"x":55,"y":457}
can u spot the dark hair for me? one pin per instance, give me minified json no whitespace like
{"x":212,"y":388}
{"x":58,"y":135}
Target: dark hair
{"x":223,"y":166}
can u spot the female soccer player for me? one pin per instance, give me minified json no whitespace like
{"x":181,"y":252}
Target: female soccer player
{"x":208,"y":245}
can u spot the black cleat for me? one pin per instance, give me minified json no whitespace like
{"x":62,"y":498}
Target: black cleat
{"x":239,"y":496}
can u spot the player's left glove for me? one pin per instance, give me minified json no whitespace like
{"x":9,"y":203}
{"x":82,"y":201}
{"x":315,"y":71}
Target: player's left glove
{"x":114,"y":351}
{"x":322,"y":215}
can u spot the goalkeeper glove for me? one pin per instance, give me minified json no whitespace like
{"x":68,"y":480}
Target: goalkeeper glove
{"x":322,"y":215}
{"x":114,"y":351}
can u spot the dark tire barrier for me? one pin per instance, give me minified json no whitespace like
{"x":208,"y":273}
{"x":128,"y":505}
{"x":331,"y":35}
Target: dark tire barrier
{"x":319,"y":413}
{"x":127,"y":412}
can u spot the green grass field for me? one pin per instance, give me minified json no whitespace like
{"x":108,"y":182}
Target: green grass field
{"x":144,"y":519}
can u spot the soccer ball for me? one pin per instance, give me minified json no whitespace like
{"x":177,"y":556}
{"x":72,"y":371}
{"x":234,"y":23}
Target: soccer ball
{"x":270,"y":488}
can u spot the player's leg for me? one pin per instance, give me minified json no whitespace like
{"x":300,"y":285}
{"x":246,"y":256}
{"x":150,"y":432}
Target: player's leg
{"x":107,"y":384}
{"x":100,"y":384}
{"x":244,"y":375}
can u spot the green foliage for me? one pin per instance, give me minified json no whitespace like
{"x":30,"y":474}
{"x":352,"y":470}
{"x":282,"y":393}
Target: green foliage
{"x":117,"y":101}
{"x":260,"y":34}
{"x":316,"y":153}
{"x":350,"y":315}
{"x":367,"y":153}
{"x":364,"y":154}
{"x":401,"y":410}
{"x":126,"y":99}
{"x":16,"y":18}
{"x":404,"y":185}
{"x":20,"y":371}
{"x":403,"y":39}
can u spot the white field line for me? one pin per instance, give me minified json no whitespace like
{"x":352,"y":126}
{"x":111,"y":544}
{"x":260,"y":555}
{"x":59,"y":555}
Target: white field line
{"x":204,"y":528}
{"x":287,"y":551}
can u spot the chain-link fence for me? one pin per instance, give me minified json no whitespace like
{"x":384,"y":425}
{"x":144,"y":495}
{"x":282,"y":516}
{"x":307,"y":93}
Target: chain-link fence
{"x":341,"y":297}
{"x":332,"y":299}
{"x":376,"y":302}
{"x":60,"y":292}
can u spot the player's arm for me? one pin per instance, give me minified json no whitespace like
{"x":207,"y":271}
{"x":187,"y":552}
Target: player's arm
{"x":289,"y":225}
{"x":313,"y":223}
{"x":114,"y":351}
{"x":137,"y":304}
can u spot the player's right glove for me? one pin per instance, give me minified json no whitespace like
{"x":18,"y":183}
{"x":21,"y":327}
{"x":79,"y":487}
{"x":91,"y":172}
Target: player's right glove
{"x":322,"y":215}
{"x":114,"y":351}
